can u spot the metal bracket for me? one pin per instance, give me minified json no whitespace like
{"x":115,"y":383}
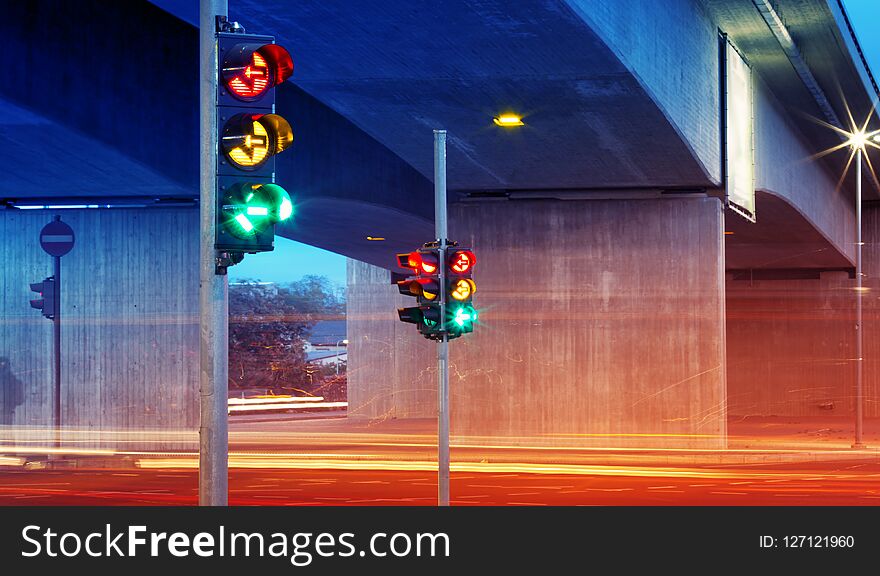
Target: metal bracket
{"x":224,"y":25}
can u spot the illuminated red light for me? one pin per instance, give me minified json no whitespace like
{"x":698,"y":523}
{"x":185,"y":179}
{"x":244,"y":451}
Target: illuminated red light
{"x":462,"y":261}
{"x":249,"y":70}
{"x":428,"y":267}
{"x":426,"y":263}
{"x":253,"y":81}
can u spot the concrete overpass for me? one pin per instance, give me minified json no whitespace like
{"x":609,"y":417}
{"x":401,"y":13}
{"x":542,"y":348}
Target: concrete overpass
{"x":620,"y":295}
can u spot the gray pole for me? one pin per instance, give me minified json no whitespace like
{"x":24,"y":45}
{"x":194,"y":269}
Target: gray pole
{"x":443,"y":353}
{"x":213,"y":304}
{"x":859,"y":360}
{"x":56,"y":325}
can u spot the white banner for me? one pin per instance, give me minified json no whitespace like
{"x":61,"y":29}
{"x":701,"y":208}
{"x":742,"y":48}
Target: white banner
{"x":739,"y":157}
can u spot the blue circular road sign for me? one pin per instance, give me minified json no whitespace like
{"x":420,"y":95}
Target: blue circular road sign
{"x":56,"y":238}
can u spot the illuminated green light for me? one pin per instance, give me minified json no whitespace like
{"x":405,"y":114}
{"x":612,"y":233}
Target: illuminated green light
{"x":244,"y":222}
{"x":257,"y":211}
{"x":285,"y":211}
{"x":249,"y":196}
{"x":464,"y":315}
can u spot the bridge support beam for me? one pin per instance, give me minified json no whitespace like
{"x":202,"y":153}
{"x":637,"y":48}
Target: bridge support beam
{"x":603,"y":325}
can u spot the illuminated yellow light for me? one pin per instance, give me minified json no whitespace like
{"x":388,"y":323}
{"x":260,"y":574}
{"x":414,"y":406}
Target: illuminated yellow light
{"x":255,"y":147}
{"x":428,"y":295}
{"x":463,"y":289}
{"x":507,"y":120}
{"x":375,"y":238}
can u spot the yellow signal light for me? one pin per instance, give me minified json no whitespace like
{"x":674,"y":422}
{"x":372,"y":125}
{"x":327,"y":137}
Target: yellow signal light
{"x":463,"y":289}
{"x":254,"y":149}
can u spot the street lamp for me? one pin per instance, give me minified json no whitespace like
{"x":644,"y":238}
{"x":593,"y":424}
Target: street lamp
{"x":857,"y":141}
{"x":338,"y":342}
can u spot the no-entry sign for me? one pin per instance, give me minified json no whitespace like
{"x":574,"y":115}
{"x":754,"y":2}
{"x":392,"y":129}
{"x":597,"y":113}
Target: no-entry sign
{"x":56,"y":238}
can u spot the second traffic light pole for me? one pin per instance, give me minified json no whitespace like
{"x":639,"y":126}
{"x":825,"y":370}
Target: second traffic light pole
{"x":443,"y":350}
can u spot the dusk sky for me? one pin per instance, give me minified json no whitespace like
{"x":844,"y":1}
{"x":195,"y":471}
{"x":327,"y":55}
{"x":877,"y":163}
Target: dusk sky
{"x":293,"y":260}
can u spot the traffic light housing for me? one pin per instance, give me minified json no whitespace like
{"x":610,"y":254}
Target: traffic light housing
{"x":425,"y":264}
{"x":453,"y":289}
{"x":48,"y":300}
{"x":250,"y":135}
{"x":460,"y":287}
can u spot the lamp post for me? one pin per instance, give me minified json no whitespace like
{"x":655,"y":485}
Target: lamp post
{"x":857,"y":141}
{"x":858,"y":443}
{"x":338,"y":342}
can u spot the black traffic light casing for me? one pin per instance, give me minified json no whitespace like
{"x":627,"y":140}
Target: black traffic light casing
{"x":48,"y":301}
{"x":424,"y":285}
{"x":250,"y":135}
{"x":459,"y":291}
{"x":454,"y":292}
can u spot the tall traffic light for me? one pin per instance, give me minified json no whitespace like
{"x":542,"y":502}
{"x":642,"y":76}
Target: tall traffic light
{"x":48,"y":300}
{"x":453,"y":289}
{"x":249,"y":203}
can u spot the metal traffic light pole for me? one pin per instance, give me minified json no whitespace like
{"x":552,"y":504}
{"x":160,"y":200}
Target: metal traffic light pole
{"x":443,"y":351}
{"x":213,"y":287}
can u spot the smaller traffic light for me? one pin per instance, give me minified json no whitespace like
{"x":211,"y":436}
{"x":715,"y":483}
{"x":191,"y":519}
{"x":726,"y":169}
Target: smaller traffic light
{"x":460,"y":288}
{"x":425,"y":287}
{"x":48,"y":301}
{"x":455,"y":292}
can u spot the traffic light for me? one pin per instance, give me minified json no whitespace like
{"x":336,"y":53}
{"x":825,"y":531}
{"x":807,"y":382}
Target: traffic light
{"x":48,"y":301}
{"x":460,"y":287}
{"x":425,"y":286}
{"x":454,"y":291}
{"x":249,"y":203}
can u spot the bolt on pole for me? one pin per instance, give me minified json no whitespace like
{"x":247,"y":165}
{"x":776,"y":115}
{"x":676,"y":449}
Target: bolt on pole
{"x":443,"y":350}
{"x":213,"y":302}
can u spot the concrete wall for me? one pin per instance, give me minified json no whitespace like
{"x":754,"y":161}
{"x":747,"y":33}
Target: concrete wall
{"x":129,"y":316}
{"x":389,"y":371}
{"x":790,"y":346}
{"x":598,"y":318}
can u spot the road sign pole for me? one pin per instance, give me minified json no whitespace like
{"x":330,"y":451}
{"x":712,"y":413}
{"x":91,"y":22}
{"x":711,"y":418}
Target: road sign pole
{"x":443,"y":350}
{"x":56,"y":328}
{"x":213,"y":287}
{"x":56,"y":239}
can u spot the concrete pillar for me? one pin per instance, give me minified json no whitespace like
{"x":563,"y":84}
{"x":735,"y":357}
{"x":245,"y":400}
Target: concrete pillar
{"x":602,"y":324}
{"x":790,"y":343}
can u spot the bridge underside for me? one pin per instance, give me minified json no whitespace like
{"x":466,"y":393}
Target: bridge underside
{"x":602,"y":239}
